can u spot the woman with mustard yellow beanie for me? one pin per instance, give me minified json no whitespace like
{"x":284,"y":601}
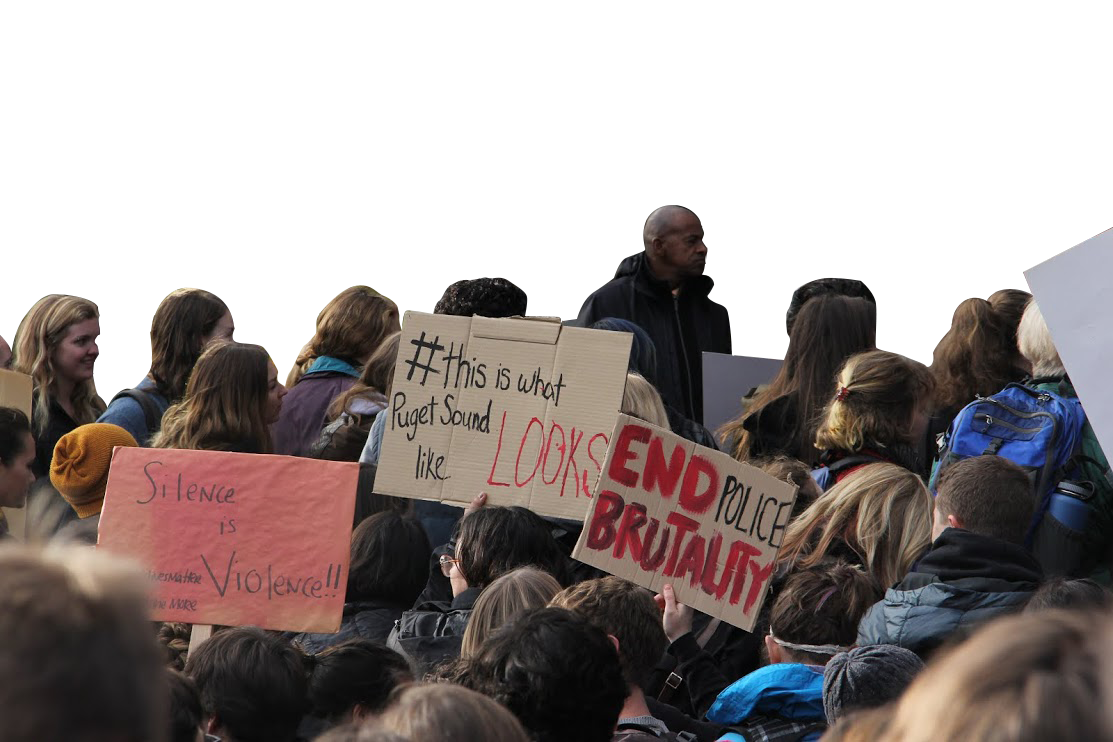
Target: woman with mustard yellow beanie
{"x":79,"y":470}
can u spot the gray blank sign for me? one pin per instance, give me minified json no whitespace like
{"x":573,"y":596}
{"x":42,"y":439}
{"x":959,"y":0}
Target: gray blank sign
{"x":726,"y":380}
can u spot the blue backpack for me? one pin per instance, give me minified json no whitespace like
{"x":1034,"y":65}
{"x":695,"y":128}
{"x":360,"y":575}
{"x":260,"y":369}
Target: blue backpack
{"x":1038,"y":430}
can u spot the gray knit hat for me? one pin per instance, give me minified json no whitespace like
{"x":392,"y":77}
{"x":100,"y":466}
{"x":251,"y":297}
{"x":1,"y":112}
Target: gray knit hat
{"x":866,"y":677}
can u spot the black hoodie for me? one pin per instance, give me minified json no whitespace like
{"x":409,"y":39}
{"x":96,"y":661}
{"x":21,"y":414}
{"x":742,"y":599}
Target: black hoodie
{"x":682,"y":327}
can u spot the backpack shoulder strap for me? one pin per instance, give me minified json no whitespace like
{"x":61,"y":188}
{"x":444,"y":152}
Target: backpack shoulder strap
{"x":151,"y":415}
{"x":847,"y":462}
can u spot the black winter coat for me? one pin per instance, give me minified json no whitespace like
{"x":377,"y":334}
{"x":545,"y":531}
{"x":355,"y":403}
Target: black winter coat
{"x":433,"y":632}
{"x":682,"y":327}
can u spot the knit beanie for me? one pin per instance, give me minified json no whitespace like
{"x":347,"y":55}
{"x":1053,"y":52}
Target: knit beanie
{"x":866,"y":677}
{"x":851,"y":287}
{"x":79,"y":470}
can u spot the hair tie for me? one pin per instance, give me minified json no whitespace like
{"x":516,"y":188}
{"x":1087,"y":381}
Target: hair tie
{"x":842,"y":395}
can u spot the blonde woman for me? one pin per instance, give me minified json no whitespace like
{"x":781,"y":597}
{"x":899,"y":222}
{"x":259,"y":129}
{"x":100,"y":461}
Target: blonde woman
{"x":642,"y":400}
{"x":56,"y":345}
{"x":232,"y":398}
{"x":515,"y":593}
{"x":879,"y":517}
{"x":349,"y":329}
{"x":878,"y":410}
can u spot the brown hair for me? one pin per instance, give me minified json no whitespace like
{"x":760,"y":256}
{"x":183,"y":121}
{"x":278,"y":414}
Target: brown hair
{"x":882,"y":392}
{"x":173,"y":637}
{"x":975,"y":357}
{"x":79,"y":658}
{"x":520,"y":591}
{"x":181,"y":322}
{"x":225,"y":404}
{"x":1029,"y":677}
{"x":794,"y":472}
{"x":377,"y":377}
{"x":40,"y":333}
{"x":821,"y":606}
{"x":988,"y":495}
{"x":881,"y":512}
{"x":1010,"y":305}
{"x":628,"y":613}
{"x":349,"y":328}
{"x":450,"y":712}
{"x":828,"y":330}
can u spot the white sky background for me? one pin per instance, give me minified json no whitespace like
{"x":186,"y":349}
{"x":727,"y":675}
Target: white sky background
{"x":275,"y":153}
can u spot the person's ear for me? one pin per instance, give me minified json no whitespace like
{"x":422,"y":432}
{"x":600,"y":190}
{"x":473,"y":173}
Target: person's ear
{"x":954,"y":522}
{"x":360,"y":712}
{"x":776,"y":653}
{"x":212,"y":725}
{"x":614,"y":641}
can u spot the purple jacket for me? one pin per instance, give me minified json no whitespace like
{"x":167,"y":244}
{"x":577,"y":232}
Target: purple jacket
{"x":303,"y":411}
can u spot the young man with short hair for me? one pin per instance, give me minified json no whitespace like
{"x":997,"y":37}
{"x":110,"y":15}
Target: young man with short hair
{"x":629,"y":615}
{"x":977,"y":567}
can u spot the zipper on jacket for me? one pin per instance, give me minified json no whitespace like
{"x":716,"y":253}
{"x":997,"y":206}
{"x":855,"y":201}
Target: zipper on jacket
{"x":684,"y":354}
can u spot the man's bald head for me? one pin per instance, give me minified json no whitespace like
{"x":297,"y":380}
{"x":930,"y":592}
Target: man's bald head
{"x":664,"y":221}
{"x":673,"y":238}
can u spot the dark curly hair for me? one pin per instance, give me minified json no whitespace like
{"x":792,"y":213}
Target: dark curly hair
{"x":557,"y":672}
{"x":495,"y":540}
{"x":487,"y":297}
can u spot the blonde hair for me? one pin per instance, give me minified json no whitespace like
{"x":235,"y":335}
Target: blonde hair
{"x":350,"y":328}
{"x":642,"y":400}
{"x":517,"y":592}
{"x":1034,"y":340}
{"x":1035,"y":676}
{"x":39,"y":334}
{"x":875,"y":396}
{"x":449,"y":712}
{"x":881,"y":511}
{"x":225,"y":404}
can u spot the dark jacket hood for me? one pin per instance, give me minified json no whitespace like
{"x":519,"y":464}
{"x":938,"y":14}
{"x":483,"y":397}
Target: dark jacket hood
{"x":959,"y":554}
{"x":647,"y":283}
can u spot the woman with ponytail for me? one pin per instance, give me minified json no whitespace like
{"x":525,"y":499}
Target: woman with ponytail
{"x":877,"y":411}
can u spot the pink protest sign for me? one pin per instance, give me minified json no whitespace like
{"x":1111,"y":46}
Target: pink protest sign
{"x":234,"y":539}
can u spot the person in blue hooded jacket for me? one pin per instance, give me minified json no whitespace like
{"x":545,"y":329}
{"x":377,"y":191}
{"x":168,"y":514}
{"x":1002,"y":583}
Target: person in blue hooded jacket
{"x":814,"y":618}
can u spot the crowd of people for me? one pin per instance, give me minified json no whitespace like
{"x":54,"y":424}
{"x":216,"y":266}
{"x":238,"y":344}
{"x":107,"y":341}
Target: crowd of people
{"x":932,"y":583}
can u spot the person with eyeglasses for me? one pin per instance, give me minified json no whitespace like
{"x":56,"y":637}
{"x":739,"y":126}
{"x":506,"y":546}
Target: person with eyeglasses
{"x":489,"y":542}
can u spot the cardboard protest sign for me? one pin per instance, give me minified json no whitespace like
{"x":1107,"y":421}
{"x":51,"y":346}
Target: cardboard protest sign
{"x":232,"y":538}
{"x":520,"y":409}
{"x":727,"y":379}
{"x":669,"y":511}
{"x":15,"y":391}
{"x":1074,"y":291}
